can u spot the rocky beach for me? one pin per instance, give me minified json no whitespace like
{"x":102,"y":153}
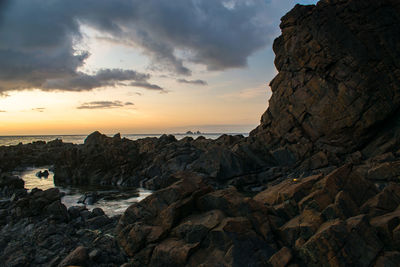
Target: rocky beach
{"x":317,"y":183}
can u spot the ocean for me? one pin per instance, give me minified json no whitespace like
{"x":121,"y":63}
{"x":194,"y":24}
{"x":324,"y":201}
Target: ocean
{"x":79,"y":139}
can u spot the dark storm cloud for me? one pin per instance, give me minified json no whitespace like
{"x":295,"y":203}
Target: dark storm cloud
{"x":104,"y":77}
{"x":219,"y":34}
{"x":195,"y":82}
{"x":104,"y":105}
{"x":38,"y":37}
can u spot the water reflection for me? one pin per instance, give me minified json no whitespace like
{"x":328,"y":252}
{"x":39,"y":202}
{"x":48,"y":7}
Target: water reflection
{"x":113,"y":201}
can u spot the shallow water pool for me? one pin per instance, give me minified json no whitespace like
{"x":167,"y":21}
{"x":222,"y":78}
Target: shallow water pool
{"x":113,"y":200}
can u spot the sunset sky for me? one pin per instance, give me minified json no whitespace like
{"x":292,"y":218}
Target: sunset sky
{"x":133,"y":66}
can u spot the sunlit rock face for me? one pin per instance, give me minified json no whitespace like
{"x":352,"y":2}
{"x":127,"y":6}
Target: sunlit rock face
{"x":339,"y":78}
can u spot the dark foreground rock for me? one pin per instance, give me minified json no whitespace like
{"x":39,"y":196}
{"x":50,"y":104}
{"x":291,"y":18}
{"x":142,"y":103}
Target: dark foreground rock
{"x":37,"y":230}
{"x":190,"y":224}
{"x":314,"y":221}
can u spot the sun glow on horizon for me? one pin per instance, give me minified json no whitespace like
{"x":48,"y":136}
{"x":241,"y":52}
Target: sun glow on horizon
{"x":151,"y":79}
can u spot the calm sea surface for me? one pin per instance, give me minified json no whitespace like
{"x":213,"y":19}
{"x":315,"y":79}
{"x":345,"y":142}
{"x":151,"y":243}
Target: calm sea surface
{"x":79,"y":139}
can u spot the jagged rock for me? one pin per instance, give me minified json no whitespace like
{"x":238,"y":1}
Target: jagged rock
{"x":385,"y":224}
{"x":335,"y":79}
{"x":38,"y":231}
{"x":294,"y":189}
{"x":343,"y":207}
{"x":302,"y":226}
{"x":387,"y":171}
{"x":386,"y":201}
{"x":179,"y":225}
{"x":337,"y":243}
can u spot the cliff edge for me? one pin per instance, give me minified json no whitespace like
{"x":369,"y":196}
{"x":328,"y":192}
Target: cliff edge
{"x":338,"y":86}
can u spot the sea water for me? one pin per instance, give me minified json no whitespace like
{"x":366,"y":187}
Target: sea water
{"x":112,"y":200}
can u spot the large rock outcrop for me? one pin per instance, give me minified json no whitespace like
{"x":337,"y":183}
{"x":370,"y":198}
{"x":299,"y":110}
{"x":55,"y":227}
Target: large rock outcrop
{"x":338,"y":85}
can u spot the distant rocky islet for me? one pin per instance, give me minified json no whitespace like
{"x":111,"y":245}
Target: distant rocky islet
{"x":315,"y":184}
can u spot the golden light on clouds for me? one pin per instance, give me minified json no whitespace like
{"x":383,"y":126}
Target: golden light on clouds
{"x":141,"y":75}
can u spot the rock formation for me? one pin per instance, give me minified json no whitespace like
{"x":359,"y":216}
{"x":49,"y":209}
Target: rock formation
{"x":36,"y":229}
{"x":333,"y":113}
{"x":316,"y":184}
{"x":338,"y":86}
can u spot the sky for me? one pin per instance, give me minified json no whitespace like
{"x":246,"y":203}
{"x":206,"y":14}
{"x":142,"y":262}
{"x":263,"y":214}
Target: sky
{"x":133,"y":66}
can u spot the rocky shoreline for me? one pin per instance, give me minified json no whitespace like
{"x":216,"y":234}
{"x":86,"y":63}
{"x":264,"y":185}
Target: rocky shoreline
{"x":315,"y":184}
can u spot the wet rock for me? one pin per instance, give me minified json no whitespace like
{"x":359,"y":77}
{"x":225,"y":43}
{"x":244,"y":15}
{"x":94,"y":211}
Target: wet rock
{"x":43,"y":174}
{"x":98,"y":222}
{"x":11,"y":181}
{"x":75,"y":211}
{"x":11,"y":186}
{"x":97,"y":212}
{"x":89,"y":198}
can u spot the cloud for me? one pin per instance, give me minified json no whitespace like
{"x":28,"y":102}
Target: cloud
{"x":134,"y":93}
{"x":210,"y":33}
{"x":40,"y":38}
{"x":104,"y":104}
{"x":3,"y":111}
{"x":39,"y":109}
{"x":105,"y":77}
{"x":147,"y":86}
{"x":195,"y":82}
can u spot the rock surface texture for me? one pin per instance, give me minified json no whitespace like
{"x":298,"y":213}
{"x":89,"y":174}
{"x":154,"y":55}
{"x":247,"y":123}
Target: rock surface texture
{"x":338,"y":86}
{"x":316,"y":184}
